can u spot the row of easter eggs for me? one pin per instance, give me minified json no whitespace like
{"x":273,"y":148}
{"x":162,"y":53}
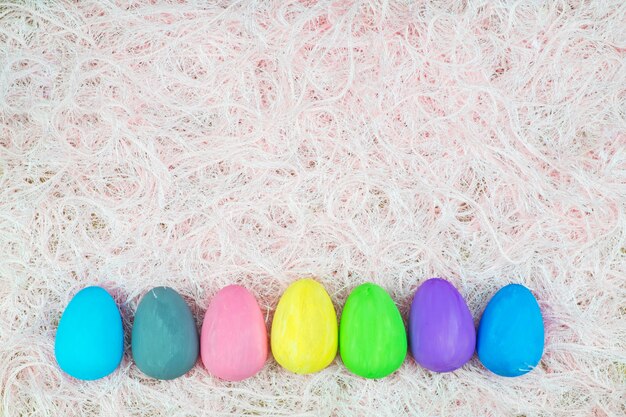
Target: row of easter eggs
{"x":305,"y":337}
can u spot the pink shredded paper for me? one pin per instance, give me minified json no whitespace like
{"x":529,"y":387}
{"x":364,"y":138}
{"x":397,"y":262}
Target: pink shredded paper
{"x":199,"y":144}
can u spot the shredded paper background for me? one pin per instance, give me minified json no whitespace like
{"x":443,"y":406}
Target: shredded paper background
{"x":198,"y":144}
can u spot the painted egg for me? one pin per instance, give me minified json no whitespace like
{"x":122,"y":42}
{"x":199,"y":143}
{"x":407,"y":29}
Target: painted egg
{"x":90,"y":339}
{"x":164,"y":338}
{"x":441,"y":328}
{"x":372,"y":337}
{"x":304,"y":330}
{"x":510,"y":334}
{"x":233,"y":343}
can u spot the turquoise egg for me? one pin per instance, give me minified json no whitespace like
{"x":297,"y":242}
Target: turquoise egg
{"x":165,"y":340}
{"x":90,"y":340}
{"x":510,"y":334}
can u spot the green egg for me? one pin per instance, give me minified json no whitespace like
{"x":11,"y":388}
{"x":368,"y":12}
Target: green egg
{"x":372,"y":337}
{"x":165,"y":340}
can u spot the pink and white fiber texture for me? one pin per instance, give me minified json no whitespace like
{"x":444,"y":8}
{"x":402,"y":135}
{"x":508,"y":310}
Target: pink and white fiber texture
{"x":199,"y":144}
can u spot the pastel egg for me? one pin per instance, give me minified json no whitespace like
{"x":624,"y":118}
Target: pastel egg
{"x":164,"y":338}
{"x":441,"y":328}
{"x":511,"y":334}
{"x":304,"y":330}
{"x":90,"y":339}
{"x":233,"y":343}
{"x":372,"y":337}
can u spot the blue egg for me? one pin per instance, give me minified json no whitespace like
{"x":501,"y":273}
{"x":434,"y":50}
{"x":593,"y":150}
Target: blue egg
{"x":510,"y":334}
{"x":90,"y":339}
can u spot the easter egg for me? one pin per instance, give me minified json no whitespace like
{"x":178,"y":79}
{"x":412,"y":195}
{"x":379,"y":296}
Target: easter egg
{"x":233,"y":343}
{"x":510,"y":334}
{"x":164,"y":337}
{"x":441,"y":328}
{"x":372,"y":337}
{"x":90,"y":340}
{"x":304,"y":330}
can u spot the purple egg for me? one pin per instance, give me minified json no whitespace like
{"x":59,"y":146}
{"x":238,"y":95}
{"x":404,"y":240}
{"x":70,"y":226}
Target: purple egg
{"x":441,"y":329}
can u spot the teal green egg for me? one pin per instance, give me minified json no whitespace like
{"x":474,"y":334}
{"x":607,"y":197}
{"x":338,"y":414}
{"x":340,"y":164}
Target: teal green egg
{"x":164,"y":340}
{"x":89,"y":341}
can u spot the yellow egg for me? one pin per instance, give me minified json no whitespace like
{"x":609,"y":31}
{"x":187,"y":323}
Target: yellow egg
{"x":304,"y":330}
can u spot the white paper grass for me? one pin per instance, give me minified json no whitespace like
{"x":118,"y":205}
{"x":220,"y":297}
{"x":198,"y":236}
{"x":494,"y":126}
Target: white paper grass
{"x":197,"y":145}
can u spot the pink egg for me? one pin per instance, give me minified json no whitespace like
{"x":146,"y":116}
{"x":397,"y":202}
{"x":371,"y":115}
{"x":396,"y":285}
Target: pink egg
{"x":233,"y":344}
